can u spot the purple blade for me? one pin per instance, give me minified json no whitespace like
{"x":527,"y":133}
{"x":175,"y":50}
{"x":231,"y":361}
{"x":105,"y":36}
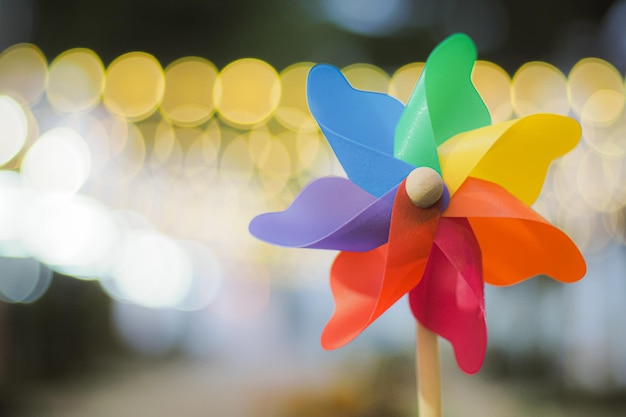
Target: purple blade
{"x":329,"y":213}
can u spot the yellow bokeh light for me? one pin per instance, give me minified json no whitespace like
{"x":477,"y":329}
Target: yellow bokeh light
{"x":188,"y":97}
{"x":202,"y":154}
{"x":75,"y":81}
{"x":13,"y":129}
{"x":293,"y":111}
{"x":404,"y":79}
{"x":308,"y":147}
{"x":272,"y":160}
{"x":163,"y":142}
{"x":23,"y":73}
{"x":615,"y":223}
{"x":494,"y":86}
{"x":247,"y":92}
{"x":603,"y":107}
{"x":596,"y":91}
{"x":126,"y":149}
{"x":600,"y":182}
{"x":367,"y":77}
{"x":235,"y":164}
{"x":134,"y":85}
{"x":539,"y":87}
{"x":609,"y":141}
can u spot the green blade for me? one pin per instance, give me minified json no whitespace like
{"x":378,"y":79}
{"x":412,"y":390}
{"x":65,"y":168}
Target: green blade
{"x":443,"y":103}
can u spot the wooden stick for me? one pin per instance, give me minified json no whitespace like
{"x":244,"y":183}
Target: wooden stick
{"x":428,"y":373}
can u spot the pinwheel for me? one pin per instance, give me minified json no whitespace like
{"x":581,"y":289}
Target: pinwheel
{"x":436,"y":202}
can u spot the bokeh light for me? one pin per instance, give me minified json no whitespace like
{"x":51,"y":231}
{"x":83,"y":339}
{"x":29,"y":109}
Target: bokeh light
{"x":23,"y":280}
{"x":293,"y":111}
{"x":134,"y":85}
{"x":23,"y":73}
{"x":15,"y":203}
{"x":494,"y":86}
{"x":247,"y":92}
{"x":77,"y":237}
{"x":272,"y":160}
{"x":152,"y":270}
{"x":58,"y":163}
{"x":207,"y":277}
{"x":539,"y":87}
{"x":404,"y":79}
{"x":236,"y":165}
{"x":125,"y":150}
{"x":596,"y":91}
{"x":75,"y":81}
{"x":202,"y":154}
{"x":13,"y":128}
{"x":367,"y":77}
{"x":368,"y":17}
{"x":188,"y":97}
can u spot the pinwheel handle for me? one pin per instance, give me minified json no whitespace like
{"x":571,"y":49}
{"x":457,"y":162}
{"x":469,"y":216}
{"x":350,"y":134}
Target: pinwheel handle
{"x":428,"y":373}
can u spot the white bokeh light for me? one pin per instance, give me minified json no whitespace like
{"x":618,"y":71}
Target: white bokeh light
{"x":206,"y":279}
{"x":368,"y":17}
{"x":13,"y":128}
{"x":77,"y":236}
{"x":13,"y":203}
{"x":152,"y":270}
{"x":23,"y":280}
{"x":58,"y":163}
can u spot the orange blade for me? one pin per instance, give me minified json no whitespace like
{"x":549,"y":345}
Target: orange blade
{"x":515,"y":241}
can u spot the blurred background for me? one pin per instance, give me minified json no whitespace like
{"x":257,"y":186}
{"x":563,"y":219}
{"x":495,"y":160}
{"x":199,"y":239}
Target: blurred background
{"x":138,"y":139}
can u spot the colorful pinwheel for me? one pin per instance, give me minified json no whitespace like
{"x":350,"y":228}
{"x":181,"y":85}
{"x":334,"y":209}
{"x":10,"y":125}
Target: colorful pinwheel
{"x":480,"y":230}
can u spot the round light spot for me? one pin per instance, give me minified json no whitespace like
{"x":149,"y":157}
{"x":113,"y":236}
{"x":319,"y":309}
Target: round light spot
{"x":152,"y":270}
{"x":273,"y":162}
{"x":539,"y":87}
{"x":247,"y":92}
{"x":58,"y":163}
{"x":293,"y":111}
{"x":76,"y":237}
{"x":23,"y":280}
{"x":369,"y":17}
{"x":609,"y":141}
{"x":367,"y":77}
{"x":603,"y":107}
{"x":207,"y":276}
{"x":494,"y":86}
{"x":23,"y":73}
{"x":596,"y":91}
{"x":202,"y":154}
{"x":75,"y":81}
{"x":15,"y":202}
{"x":577,"y":227}
{"x":13,"y":129}
{"x":126,"y":150}
{"x":404,"y":80}
{"x":162,"y":141}
{"x":600,"y":181}
{"x":235,"y":164}
{"x":308,"y":146}
{"x":134,"y":85}
{"x":188,"y":97}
